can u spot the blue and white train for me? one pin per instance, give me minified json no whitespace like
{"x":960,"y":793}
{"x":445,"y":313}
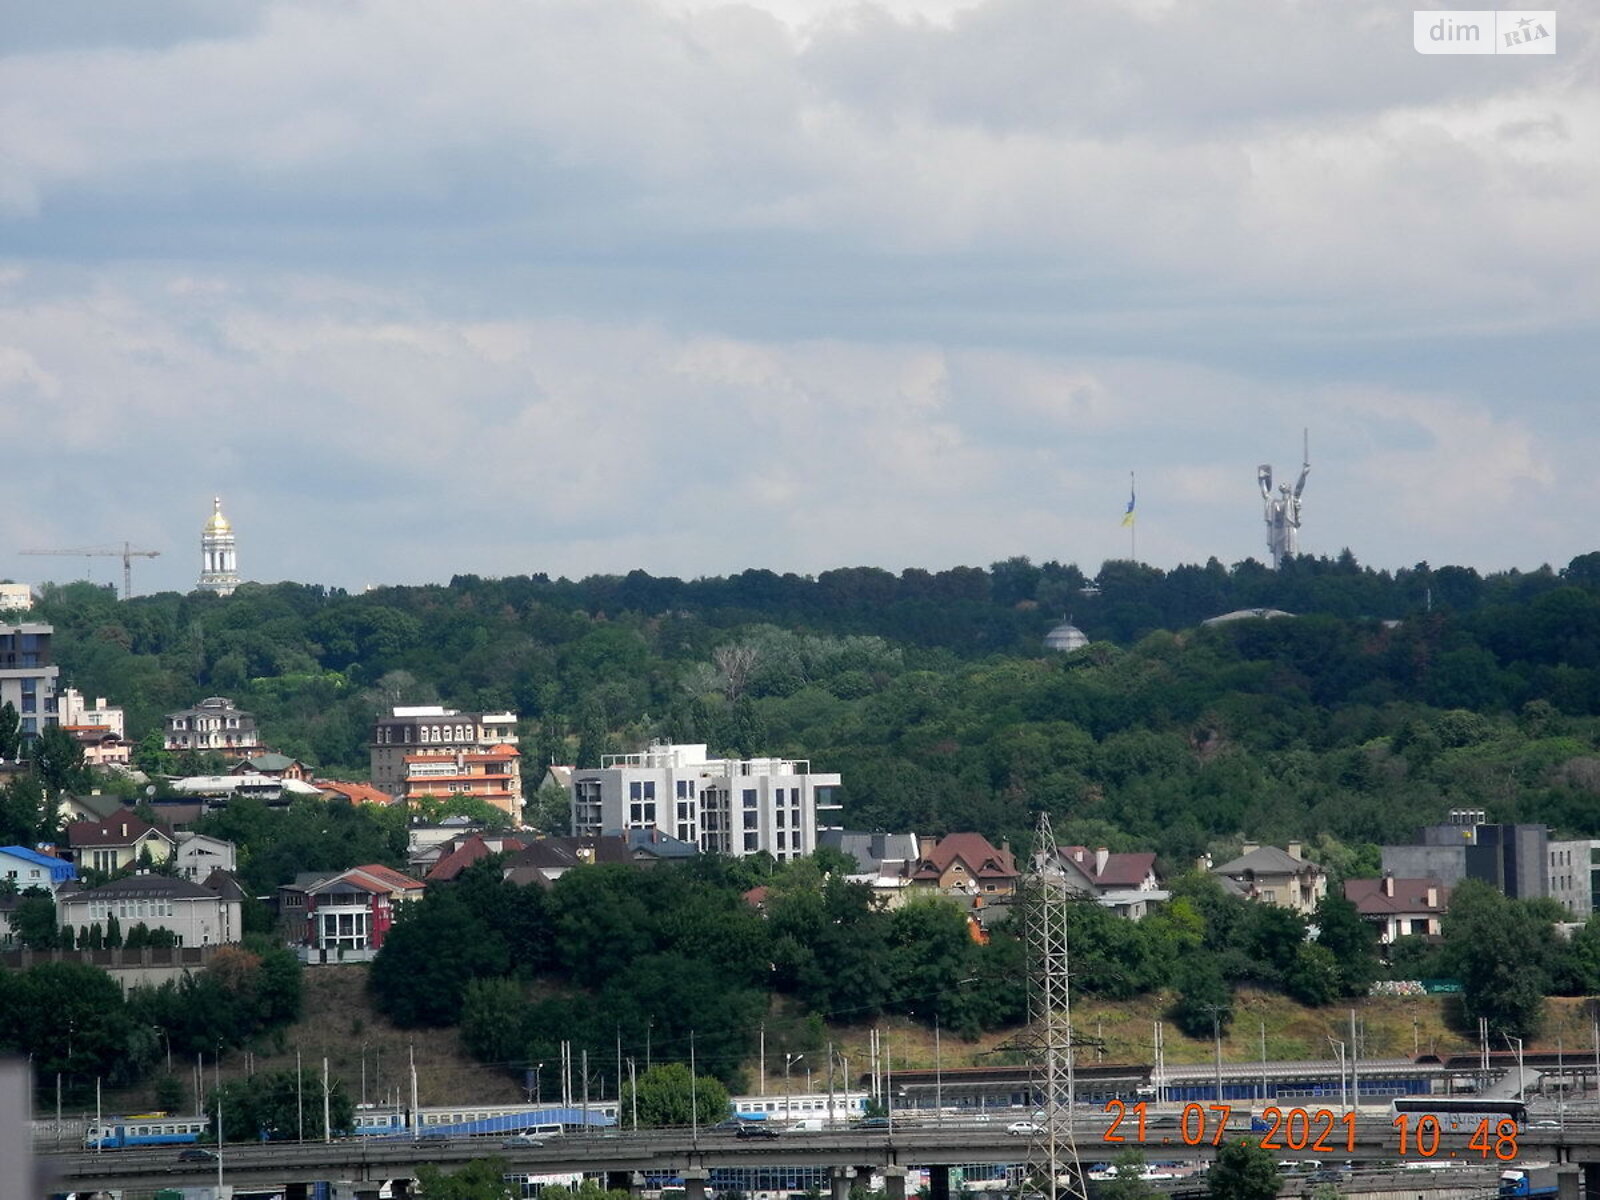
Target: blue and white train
{"x":145,"y":1129}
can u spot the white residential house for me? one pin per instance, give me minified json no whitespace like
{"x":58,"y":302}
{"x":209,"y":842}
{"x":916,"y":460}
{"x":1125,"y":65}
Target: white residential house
{"x":197,"y":855}
{"x":722,"y":805}
{"x":1272,"y":876}
{"x":23,"y":868}
{"x":1126,"y":883}
{"x":197,"y":915}
{"x":74,"y":712}
{"x":1400,"y":907}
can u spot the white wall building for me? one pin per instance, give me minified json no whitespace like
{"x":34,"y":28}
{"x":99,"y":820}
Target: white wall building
{"x":198,"y":916}
{"x":73,"y":711}
{"x":197,"y":855}
{"x":722,"y":805}
{"x":28,"y":679}
{"x":1574,"y":869}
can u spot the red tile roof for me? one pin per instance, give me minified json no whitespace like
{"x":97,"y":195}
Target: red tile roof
{"x":1121,"y":870}
{"x":389,"y":877}
{"x":474,"y":849}
{"x":981,"y":859}
{"x":356,"y":793}
{"x":1409,"y":896}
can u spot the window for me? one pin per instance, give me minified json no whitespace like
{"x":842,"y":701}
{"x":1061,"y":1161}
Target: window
{"x":750,"y":842}
{"x":635,"y":790}
{"x":749,"y":797}
{"x":752,"y":820}
{"x":780,"y":818}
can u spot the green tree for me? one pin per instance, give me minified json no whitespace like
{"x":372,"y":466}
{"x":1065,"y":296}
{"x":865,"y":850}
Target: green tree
{"x":35,"y":921}
{"x":550,"y":811}
{"x":1243,"y":1171}
{"x":58,"y":761}
{"x":1205,"y":1002}
{"x":481,"y":1179}
{"x":170,"y":1094}
{"x":10,"y":732}
{"x":668,"y":1096}
{"x":1352,"y":942}
{"x":1313,"y":978}
{"x":23,"y":808}
{"x":436,"y":948}
{"x":281,"y":1106}
{"x":1129,"y":1182}
{"x":1504,"y":952}
{"x":492,"y":1013}
{"x":587,"y":1190}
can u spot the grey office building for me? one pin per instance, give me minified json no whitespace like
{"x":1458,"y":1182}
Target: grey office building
{"x":1512,"y":859}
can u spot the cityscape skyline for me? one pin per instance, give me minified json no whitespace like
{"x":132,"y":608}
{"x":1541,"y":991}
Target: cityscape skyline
{"x":691,"y":288}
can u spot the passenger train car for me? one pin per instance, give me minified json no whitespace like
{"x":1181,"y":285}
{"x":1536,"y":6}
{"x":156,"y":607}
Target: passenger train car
{"x":840,"y":1108}
{"x":481,"y":1120}
{"x":146,"y":1129}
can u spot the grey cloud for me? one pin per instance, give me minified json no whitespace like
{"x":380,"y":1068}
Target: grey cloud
{"x":29,"y":26}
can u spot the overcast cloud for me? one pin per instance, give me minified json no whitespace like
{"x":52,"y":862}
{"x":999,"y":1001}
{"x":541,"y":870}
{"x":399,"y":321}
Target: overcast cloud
{"x":575,"y":286}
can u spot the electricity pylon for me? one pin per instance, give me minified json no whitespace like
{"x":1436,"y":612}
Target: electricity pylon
{"x":1053,"y":1171}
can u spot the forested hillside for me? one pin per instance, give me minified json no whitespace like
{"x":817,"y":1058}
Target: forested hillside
{"x":1388,"y":699}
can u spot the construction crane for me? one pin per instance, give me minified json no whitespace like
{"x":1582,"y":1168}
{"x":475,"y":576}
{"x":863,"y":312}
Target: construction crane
{"x":127,"y":554}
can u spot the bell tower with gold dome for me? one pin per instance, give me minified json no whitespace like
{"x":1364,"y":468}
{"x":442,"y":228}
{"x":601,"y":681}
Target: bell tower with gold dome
{"x":219,"y":562}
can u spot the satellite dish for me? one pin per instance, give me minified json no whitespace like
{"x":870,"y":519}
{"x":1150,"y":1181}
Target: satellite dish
{"x":151,"y":790}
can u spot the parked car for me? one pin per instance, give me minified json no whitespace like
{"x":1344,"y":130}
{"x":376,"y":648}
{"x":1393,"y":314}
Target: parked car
{"x":756,"y":1129}
{"x":196,"y":1154}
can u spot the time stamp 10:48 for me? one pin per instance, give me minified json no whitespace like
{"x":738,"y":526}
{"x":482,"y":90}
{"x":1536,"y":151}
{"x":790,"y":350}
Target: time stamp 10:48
{"x":1317,"y":1131}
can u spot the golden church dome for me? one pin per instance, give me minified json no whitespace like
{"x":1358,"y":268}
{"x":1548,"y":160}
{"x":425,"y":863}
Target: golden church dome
{"x":218,"y":523}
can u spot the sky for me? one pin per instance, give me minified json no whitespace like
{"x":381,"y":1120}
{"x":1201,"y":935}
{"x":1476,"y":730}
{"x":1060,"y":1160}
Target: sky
{"x":588,"y":286}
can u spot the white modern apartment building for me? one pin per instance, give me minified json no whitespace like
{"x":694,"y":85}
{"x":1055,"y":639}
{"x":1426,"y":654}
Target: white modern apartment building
{"x":28,"y":678}
{"x":723,"y":805}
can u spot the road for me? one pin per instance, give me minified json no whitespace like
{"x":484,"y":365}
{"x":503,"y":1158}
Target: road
{"x":674,"y":1150}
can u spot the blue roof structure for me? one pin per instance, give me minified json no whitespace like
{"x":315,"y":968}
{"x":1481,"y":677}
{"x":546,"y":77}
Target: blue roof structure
{"x":56,"y":870}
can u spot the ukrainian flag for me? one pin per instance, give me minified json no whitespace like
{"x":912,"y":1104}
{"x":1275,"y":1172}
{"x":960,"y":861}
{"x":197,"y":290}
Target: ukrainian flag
{"x":1127,"y":517}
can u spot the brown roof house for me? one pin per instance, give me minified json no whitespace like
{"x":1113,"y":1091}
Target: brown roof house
{"x":1125,"y":883}
{"x":967,"y":863}
{"x":1400,"y":907}
{"x":117,"y":842}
